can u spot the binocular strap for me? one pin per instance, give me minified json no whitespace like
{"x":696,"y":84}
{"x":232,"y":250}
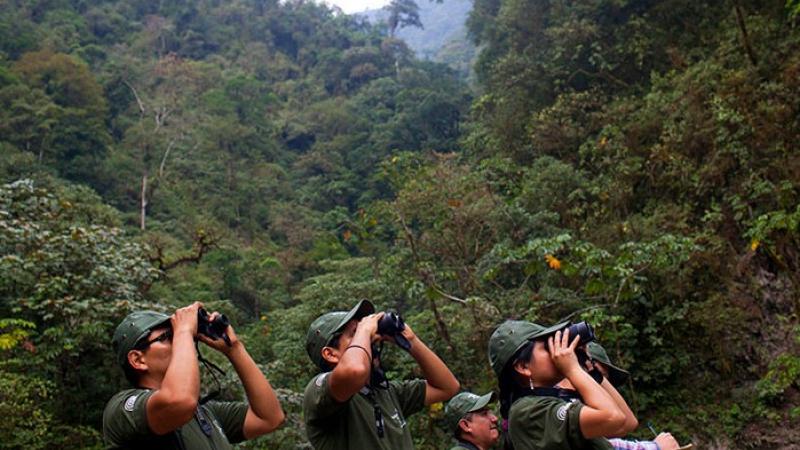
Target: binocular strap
{"x":211,"y":367}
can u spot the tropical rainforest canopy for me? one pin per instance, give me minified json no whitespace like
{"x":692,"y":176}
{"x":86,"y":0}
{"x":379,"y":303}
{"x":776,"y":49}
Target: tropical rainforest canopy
{"x":633,"y":163}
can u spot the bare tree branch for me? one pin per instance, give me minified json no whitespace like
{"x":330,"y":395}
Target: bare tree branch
{"x":135,"y":94}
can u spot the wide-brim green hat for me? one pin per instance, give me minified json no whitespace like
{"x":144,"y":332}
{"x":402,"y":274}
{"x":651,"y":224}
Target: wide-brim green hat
{"x":616,"y":375}
{"x":511,"y":336}
{"x":461,"y":404}
{"x":135,"y":326}
{"x":325,"y":326}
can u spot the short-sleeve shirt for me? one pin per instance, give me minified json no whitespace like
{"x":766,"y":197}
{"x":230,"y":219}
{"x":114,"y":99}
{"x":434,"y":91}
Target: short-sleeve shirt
{"x":334,"y":425}
{"x":214,"y":427}
{"x":549,"y":423}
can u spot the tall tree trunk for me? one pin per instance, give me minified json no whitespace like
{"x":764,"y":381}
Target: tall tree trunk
{"x":143,"y":212}
{"x":748,"y":48}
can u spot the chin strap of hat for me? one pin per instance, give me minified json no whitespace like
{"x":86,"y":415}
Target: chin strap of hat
{"x":211,"y":367}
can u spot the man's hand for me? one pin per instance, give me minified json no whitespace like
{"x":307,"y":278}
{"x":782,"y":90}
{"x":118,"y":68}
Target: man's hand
{"x":219,"y":344}
{"x":369,"y":325}
{"x":407,"y":333}
{"x":185,"y":319}
{"x":665,"y":441}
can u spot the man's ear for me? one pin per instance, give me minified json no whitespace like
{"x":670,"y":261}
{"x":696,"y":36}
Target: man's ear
{"x":464,"y":426}
{"x":330,"y":355}
{"x":136,"y":360}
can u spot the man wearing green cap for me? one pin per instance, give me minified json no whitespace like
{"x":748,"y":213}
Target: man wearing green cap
{"x":472,"y":423}
{"x":349,"y":405}
{"x":157,"y":353}
{"x":529,"y":360}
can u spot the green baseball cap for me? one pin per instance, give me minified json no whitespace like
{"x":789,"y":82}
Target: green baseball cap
{"x":461,"y":404}
{"x":325,"y":326}
{"x":616,"y":375}
{"x":511,"y":336}
{"x":134,"y":327}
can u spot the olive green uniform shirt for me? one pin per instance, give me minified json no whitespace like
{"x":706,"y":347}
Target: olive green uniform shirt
{"x":464,"y":445}
{"x":333,"y":425}
{"x":125,"y":425}
{"x":549,"y":423}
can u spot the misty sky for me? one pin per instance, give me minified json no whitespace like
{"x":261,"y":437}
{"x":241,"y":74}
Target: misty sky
{"x":352,"y":6}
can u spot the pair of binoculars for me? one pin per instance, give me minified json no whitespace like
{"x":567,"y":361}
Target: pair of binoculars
{"x":392,"y":324}
{"x":214,"y":329}
{"x":582,"y":329}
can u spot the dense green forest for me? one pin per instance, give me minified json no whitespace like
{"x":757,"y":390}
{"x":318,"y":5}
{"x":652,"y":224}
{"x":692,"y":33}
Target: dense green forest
{"x":633,"y":163}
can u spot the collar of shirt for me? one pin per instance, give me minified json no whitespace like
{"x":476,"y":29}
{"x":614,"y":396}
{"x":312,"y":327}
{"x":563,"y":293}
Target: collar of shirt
{"x":467,"y":445}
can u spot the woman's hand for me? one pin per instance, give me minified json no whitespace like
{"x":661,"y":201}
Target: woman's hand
{"x":563,"y":352}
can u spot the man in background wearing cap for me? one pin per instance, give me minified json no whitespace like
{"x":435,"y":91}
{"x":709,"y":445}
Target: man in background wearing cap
{"x":157,"y":353}
{"x":347,"y":406}
{"x":472,"y":423}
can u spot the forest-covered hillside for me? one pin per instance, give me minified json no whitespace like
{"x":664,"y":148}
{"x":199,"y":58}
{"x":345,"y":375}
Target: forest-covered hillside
{"x":632,"y":163}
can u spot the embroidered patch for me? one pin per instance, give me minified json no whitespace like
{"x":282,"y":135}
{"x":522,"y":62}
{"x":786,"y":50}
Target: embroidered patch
{"x":561,"y":414}
{"x":399,"y":419}
{"x":321,"y":379}
{"x":130,"y":402}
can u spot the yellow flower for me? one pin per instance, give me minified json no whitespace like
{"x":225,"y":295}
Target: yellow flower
{"x":435,"y":409}
{"x":263,"y":318}
{"x":553,"y":262}
{"x":754,"y":244}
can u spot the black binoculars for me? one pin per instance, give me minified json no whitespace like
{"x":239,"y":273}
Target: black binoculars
{"x":582,"y":329}
{"x":214,"y":329}
{"x":391,"y":324}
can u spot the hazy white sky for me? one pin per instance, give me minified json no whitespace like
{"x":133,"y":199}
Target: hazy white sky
{"x":352,"y":6}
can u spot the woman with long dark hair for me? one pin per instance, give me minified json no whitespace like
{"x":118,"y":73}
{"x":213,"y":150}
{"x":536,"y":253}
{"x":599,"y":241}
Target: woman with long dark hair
{"x":529,"y":360}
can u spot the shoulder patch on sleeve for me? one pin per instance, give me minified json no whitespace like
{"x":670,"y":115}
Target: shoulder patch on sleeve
{"x":130,"y":402}
{"x":321,"y":379}
{"x":561,"y":414}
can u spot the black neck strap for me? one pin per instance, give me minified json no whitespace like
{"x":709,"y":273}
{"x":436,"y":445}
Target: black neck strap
{"x":564,"y":394}
{"x":377,"y":376}
{"x":211,"y":369}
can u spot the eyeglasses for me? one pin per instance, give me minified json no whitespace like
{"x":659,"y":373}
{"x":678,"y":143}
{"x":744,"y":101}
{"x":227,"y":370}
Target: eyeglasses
{"x":165,"y":336}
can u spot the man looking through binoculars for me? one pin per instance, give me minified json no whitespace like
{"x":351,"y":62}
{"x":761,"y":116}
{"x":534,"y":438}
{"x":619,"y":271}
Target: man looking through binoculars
{"x":163,"y":410}
{"x":351,"y":405}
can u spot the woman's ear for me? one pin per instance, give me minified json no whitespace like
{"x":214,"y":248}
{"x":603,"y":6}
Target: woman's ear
{"x":521,"y":367}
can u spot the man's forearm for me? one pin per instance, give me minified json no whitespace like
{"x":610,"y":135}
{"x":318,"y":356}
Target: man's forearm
{"x":260,"y":395}
{"x":182,"y":378}
{"x":435,"y":371}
